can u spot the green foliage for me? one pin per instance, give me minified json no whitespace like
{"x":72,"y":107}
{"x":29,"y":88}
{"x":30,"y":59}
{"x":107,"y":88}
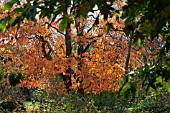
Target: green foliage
{"x":15,"y":78}
{"x":138,"y":16}
{"x":63,"y":23}
{"x":39,"y":95}
{"x":137,"y":91}
{"x":104,"y":102}
{"x":11,"y":106}
{"x":3,"y":24}
{"x":52,"y":9}
{"x":148,"y":25}
{"x":9,"y":5}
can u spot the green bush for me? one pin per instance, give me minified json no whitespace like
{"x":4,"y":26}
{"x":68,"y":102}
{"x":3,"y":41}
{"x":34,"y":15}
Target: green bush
{"x":104,"y":102}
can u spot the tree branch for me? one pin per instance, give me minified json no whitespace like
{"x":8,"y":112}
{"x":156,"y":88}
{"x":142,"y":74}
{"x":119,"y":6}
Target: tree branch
{"x":44,"y":42}
{"x":54,"y":28}
{"x":88,"y":45}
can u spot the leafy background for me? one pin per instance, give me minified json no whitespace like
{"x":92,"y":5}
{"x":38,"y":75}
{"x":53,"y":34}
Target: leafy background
{"x":58,"y":55}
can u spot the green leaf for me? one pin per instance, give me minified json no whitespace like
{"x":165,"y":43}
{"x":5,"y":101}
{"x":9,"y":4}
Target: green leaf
{"x":125,"y":78}
{"x":17,"y":10}
{"x":124,"y":81}
{"x":3,"y":24}
{"x":63,"y":24}
{"x":138,"y":42}
{"x":69,"y":20}
{"x":158,"y":80}
{"x":11,"y":22}
{"x":20,"y":76}
{"x":118,"y":15}
{"x":121,"y":84}
{"x":126,"y":91}
{"x":2,"y":20}
{"x":167,"y":85}
{"x":8,"y":5}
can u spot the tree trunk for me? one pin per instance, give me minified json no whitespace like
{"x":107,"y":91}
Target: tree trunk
{"x":68,"y":40}
{"x":127,"y":60}
{"x":80,"y":52}
{"x":128,"y":54}
{"x":67,"y":78}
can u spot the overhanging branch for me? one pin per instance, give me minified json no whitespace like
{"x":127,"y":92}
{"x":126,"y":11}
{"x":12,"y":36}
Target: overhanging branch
{"x":54,"y":28}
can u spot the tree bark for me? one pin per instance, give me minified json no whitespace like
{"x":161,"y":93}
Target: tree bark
{"x":68,"y":40}
{"x":128,"y":54}
{"x":127,"y":59}
{"x":67,"y":78}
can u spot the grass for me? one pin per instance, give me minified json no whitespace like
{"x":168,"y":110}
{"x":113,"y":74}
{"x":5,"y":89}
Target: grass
{"x":30,"y":107}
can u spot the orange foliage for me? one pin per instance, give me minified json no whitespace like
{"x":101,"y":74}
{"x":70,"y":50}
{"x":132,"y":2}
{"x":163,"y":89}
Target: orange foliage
{"x":102,"y":66}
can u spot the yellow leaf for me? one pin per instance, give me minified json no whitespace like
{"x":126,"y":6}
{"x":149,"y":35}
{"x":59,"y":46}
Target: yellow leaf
{"x":109,"y":71}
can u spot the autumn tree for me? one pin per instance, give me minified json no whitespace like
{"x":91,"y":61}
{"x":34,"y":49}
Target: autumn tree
{"x":60,"y":10}
{"x":86,"y":46}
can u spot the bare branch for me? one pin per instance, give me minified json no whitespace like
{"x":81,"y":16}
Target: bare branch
{"x":54,"y":28}
{"x":44,"y":42}
{"x":88,"y":45}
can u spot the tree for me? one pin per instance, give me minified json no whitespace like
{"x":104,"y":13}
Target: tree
{"x":91,"y":41}
{"x":63,"y":11}
{"x":153,"y":28}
